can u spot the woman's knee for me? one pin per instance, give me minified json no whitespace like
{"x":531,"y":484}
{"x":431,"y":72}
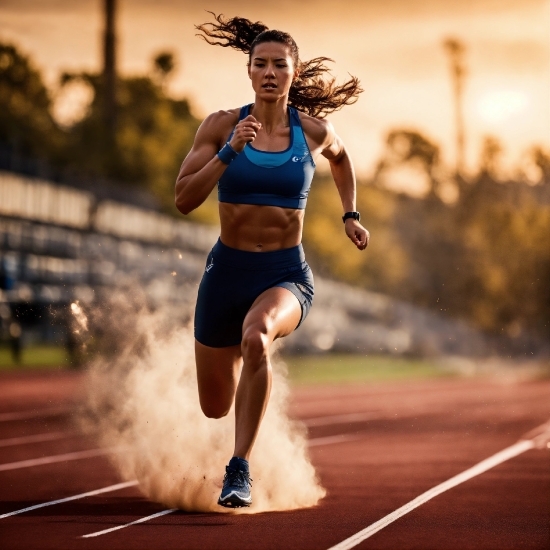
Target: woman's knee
{"x":216,"y":396}
{"x":213,"y":409}
{"x":255,"y":341}
{"x":217,"y":377}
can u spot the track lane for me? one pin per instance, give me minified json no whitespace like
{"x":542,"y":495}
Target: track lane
{"x":135,"y":522}
{"x":415,"y":444}
{"x":98,"y":452}
{"x":110,"y":488}
{"x":36,"y":438}
{"x":480,"y":468}
{"x":38,"y":413}
{"x":65,"y":457}
{"x":503,"y":509}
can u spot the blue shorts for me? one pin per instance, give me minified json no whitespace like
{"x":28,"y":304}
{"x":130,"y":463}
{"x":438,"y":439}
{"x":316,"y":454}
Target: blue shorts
{"x":232,"y":281}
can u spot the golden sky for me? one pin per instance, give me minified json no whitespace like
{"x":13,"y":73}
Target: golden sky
{"x":393,"y":46}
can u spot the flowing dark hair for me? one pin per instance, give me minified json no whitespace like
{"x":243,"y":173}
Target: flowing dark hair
{"x":312,"y":91}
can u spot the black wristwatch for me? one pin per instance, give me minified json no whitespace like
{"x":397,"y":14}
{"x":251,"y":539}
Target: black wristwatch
{"x":354,"y":215}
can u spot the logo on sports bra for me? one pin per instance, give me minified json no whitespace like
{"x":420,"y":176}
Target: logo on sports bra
{"x":210,"y":266}
{"x":302,"y":153}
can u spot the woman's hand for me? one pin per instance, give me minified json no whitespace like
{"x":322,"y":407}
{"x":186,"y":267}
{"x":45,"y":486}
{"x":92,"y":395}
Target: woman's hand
{"x":245,"y":132}
{"x":357,"y":234}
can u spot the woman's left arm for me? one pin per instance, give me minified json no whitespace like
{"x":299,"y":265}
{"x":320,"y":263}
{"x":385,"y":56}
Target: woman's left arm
{"x":343,"y":173}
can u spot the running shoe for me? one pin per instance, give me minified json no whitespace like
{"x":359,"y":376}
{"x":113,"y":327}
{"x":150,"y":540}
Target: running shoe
{"x":236,"y":485}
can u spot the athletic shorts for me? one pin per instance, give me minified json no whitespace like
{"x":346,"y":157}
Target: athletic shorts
{"x":232,"y":281}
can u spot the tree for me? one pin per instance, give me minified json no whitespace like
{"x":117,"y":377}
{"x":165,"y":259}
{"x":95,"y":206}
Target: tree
{"x":490,"y":156}
{"x":26,"y":124}
{"x":163,"y":66}
{"x":411,"y":147}
{"x":153,"y":134}
{"x":541,"y":158}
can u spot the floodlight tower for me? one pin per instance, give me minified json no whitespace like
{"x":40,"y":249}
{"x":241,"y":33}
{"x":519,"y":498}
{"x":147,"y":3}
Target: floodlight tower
{"x":109,"y":69}
{"x":455,"y":49}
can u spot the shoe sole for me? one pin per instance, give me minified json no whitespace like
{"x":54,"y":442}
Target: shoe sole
{"x":234,"y":503}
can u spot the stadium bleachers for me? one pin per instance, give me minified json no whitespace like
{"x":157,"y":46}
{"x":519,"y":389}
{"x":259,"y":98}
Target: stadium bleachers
{"x":59,"y":244}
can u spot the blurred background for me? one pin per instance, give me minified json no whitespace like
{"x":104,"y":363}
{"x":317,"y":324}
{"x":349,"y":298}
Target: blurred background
{"x":99,"y":103}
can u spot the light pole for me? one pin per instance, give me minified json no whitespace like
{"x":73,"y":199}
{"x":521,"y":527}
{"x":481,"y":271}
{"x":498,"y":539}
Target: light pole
{"x":455,"y":50}
{"x":109,"y":69}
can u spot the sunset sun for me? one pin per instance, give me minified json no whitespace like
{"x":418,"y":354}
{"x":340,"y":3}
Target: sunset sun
{"x":498,"y":106}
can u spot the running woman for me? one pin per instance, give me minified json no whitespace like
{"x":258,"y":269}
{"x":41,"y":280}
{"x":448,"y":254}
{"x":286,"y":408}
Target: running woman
{"x":257,"y":285}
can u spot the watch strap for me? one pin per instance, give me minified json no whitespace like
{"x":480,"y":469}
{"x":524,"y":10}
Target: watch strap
{"x":355,"y":215}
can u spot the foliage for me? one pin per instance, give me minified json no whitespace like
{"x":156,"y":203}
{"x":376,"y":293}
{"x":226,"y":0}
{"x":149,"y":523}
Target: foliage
{"x":153,"y":134}
{"x":541,"y":158}
{"x":163,"y":66}
{"x":26,"y":123}
{"x":409,"y":146}
{"x":384,"y":266}
{"x":505,"y":228}
{"x":483,"y":258}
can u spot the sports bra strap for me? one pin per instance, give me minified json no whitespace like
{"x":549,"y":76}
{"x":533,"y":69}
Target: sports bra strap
{"x":270,"y":178}
{"x":294,"y":121}
{"x":245,"y":111}
{"x":294,"y":117}
{"x":242,"y":114}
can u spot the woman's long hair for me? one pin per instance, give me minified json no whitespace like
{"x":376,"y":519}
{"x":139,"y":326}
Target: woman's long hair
{"x":312,"y":91}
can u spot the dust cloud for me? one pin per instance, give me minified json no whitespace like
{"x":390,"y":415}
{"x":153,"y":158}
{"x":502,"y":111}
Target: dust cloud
{"x":141,"y":397}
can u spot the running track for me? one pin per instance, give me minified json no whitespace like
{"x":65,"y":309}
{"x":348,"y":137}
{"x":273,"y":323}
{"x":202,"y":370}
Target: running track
{"x":377,"y":449}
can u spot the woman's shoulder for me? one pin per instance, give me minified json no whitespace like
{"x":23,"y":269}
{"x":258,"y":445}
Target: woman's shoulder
{"x":319,"y":130}
{"x":226,"y":115}
{"x":222,"y":118}
{"x":218,"y":125}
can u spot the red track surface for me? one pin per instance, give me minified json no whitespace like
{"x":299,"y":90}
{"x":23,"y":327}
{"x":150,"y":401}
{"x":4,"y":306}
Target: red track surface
{"x":417,"y":435}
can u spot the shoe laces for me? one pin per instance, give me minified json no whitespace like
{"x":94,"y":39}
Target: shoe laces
{"x":238,"y":478}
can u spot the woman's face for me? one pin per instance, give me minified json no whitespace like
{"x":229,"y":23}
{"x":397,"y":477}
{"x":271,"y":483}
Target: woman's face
{"x":271,"y":70}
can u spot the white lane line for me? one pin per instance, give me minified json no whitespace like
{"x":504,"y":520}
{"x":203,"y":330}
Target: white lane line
{"x":35,"y":413}
{"x":52,"y":436}
{"x":141,"y":520}
{"x":330,"y":440}
{"x":108,"y":489}
{"x":481,"y":467}
{"x":55,"y":458}
{"x":312,"y":443}
{"x":339,"y":419}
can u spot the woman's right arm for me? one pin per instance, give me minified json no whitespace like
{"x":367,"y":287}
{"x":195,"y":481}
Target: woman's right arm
{"x":202,"y":168}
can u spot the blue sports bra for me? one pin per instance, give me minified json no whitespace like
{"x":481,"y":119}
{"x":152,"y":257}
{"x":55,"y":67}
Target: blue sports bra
{"x":280,"y":179}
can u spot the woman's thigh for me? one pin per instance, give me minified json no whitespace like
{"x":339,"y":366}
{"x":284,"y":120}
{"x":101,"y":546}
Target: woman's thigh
{"x":218,"y":371}
{"x":275,"y":313}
